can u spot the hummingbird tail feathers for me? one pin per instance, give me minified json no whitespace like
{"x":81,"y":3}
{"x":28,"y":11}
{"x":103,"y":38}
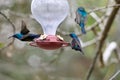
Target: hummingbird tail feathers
{"x":83,"y":30}
{"x":82,"y":25}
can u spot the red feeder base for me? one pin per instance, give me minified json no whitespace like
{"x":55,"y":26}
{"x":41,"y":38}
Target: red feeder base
{"x":50,"y":43}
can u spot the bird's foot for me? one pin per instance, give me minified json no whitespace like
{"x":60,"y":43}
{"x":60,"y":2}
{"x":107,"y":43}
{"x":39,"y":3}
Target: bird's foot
{"x":61,"y":38}
{"x":42,"y":37}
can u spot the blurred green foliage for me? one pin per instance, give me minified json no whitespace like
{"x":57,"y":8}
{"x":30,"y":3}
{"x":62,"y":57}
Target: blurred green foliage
{"x":1,"y":45}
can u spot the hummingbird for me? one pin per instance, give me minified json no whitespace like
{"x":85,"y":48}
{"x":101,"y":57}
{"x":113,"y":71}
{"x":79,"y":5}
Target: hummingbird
{"x":81,"y":17}
{"x":75,"y":43}
{"x":24,"y":34}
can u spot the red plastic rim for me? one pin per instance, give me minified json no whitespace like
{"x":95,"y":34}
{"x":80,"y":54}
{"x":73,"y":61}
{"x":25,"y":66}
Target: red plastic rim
{"x":50,"y":43}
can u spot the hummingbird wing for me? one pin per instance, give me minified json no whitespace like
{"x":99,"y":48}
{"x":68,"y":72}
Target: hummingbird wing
{"x":78,"y":17}
{"x":79,"y":44}
{"x":24,"y":29}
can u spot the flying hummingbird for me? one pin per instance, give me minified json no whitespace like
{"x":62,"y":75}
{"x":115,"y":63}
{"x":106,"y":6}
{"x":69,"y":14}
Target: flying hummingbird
{"x":24,"y":34}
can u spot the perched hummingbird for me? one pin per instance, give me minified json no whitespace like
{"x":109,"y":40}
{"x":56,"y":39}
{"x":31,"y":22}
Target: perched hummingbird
{"x":24,"y":34}
{"x":75,"y":43}
{"x":81,"y":17}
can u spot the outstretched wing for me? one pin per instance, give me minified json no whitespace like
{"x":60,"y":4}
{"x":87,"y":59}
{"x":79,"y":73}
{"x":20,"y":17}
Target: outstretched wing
{"x":24,"y":29}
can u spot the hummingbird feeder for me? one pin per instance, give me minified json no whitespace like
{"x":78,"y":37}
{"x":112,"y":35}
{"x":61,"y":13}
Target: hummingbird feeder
{"x":50,"y":43}
{"x":49,"y":13}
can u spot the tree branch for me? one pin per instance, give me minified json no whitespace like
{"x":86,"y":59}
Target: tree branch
{"x":101,"y":8}
{"x":13,"y":26}
{"x":116,"y":74}
{"x":89,"y":28}
{"x":102,"y":39}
